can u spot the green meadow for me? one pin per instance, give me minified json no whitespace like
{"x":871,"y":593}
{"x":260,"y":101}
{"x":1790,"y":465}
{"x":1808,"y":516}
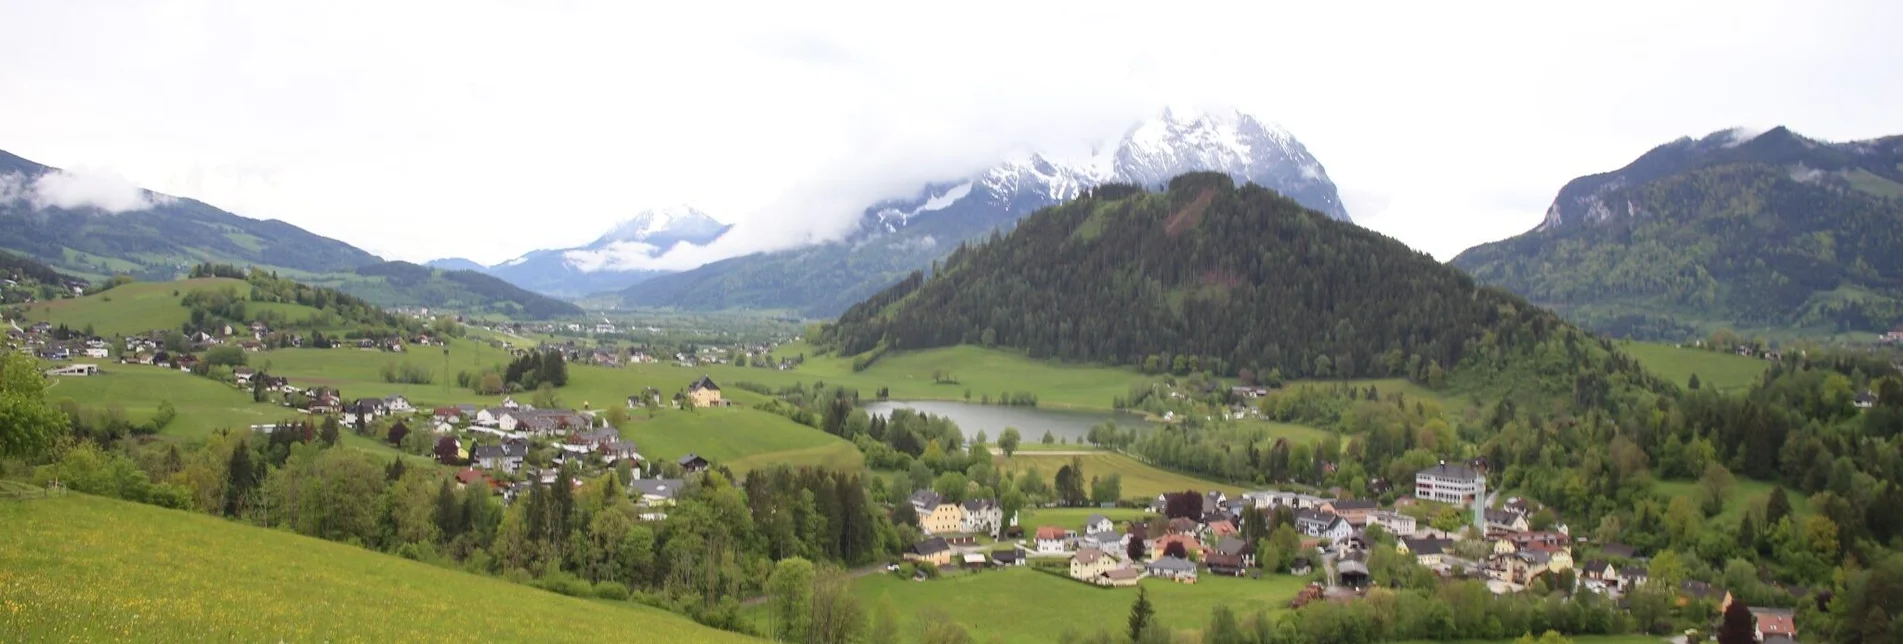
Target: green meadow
{"x":1716,"y":370}
{"x":1746,"y":494}
{"x":1073,"y":518}
{"x":133,"y":308}
{"x":1020,"y":605}
{"x":1140,"y":481}
{"x":81,"y":568}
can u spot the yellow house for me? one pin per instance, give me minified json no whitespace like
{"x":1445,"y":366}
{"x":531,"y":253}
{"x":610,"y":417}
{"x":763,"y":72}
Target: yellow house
{"x":945,"y":518}
{"x":704,"y":393}
{"x":933,"y":551}
{"x":1089,"y":564}
{"x":1561,"y":561}
{"x":1505,"y":547}
{"x":1426,"y":551}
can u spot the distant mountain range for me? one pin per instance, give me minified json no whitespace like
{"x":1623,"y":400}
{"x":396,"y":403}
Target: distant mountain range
{"x":896,"y":237}
{"x":621,"y":257}
{"x":471,"y":292}
{"x":95,"y":229}
{"x":1738,"y":229}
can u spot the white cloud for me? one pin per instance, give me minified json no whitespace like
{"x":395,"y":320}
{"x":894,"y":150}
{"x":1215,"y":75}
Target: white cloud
{"x":416,"y":132}
{"x":79,"y":189}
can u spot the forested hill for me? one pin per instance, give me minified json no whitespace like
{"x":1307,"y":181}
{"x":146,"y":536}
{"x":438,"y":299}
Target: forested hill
{"x":1772,"y":231}
{"x":1228,"y":279}
{"x":407,"y":284}
{"x":146,"y":234}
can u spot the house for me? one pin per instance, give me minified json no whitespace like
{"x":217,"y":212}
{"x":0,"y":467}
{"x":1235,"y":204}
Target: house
{"x":507,"y":457}
{"x":449,"y":451}
{"x":1631,"y":577}
{"x":1865,"y":399}
{"x":1394,"y":522}
{"x":692,"y":463}
{"x":1317,"y":523}
{"x":1300,"y":567}
{"x":1173,"y":568}
{"x":936,"y":515}
{"x":1453,"y":484}
{"x":1159,"y":548}
{"x":617,"y":450}
{"x":1111,"y":540}
{"x":397,"y":404}
{"x":1692,"y":590}
{"x":1219,"y":528}
{"x":1354,"y":511}
{"x":1007,"y":558}
{"x":74,"y":370}
{"x":1223,"y":564}
{"x":1123,"y":577}
{"x":242,"y":375}
{"x":1773,"y":622}
{"x":1426,"y":551}
{"x":1088,"y":563}
{"x":98,"y":353}
{"x":1098,"y":523}
{"x":1051,"y":539}
{"x":703,"y":392}
{"x":934,"y":551}
{"x":1238,"y":548}
{"x":1504,"y":521}
{"x":1519,"y":568}
{"x":656,"y":492}
{"x":449,"y":415}
{"x":508,"y":402}
{"x":466,"y":477}
{"x":983,"y":516}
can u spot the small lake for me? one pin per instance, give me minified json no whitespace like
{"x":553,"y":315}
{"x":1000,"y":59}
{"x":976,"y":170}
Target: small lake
{"x":1031,"y":422}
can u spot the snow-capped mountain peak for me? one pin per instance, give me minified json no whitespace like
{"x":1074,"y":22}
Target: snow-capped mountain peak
{"x":678,"y":221}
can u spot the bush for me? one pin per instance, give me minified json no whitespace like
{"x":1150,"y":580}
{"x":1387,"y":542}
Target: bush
{"x":566,"y":584}
{"x":611,"y":590}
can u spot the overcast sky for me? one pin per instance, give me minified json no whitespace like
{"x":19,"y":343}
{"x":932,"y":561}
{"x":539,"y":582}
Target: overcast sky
{"x":486,"y":129}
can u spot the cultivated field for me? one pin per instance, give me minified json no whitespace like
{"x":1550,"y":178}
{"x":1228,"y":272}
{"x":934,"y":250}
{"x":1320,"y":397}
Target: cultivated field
{"x":1139,"y":480}
{"x":1715,"y":370}
{"x":80,"y":568}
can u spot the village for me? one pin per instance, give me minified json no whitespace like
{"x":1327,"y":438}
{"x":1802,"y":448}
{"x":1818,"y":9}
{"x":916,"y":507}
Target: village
{"x":1186,"y":535}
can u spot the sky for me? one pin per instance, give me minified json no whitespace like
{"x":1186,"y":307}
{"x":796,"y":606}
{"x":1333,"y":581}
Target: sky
{"x":481,"y":129}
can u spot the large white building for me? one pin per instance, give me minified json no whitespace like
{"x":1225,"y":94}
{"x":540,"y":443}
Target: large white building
{"x":1454,"y":484}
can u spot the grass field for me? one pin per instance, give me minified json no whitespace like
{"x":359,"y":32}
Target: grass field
{"x":133,"y":308}
{"x":1022,"y":606}
{"x":983,"y":371}
{"x":203,"y":405}
{"x":1747,"y":493}
{"x":1715,"y":370}
{"x":1139,"y":480}
{"x":1073,"y":518}
{"x":1577,"y":639}
{"x":743,"y":439}
{"x":79,"y":568}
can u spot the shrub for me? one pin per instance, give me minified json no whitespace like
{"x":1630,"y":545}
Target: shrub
{"x":611,"y":590}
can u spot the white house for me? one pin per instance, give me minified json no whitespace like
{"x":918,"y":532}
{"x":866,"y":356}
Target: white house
{"x":1328,"y":525}
{"x":397,"y":404}
{"x":1052,"y":540}
{"x":1098,"y":523}
{"x":983,"y":516}
{"x":1455,"y":484}
{"x":97,"y":352}
{"x":1394,"y":522}
{"x":74,"y":370}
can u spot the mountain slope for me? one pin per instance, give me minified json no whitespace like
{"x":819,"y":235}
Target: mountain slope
{"x":407,"y":284}
{"x":182,"y":573}
{"x":456,"y":264}
{"x":622,"y":257}
{"x":1231,"y":278}
{"x":1732,"y":230}
{"x":900,"y":236}
{"x":75,"y":223}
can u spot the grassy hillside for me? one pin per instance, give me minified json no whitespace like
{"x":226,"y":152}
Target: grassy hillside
{"x":1748,"y":493}
{"x":1139,"y":480}
{"x":1716,"y":370}
{"x":1021,"y":606}
{"x":134,"y":308}
{"x":79,"y":568}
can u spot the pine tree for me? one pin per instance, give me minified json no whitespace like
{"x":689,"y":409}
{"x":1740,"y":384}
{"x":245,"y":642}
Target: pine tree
{"x":1141,"y":613}
{"x":448,"y":512}
{"x":1777,"y":507}
{"x":241,"y":477}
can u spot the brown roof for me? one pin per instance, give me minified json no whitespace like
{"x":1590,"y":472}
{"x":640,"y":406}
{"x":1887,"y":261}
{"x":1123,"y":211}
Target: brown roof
{"x":1776,"y":623}
{"x":1050,"y":532}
